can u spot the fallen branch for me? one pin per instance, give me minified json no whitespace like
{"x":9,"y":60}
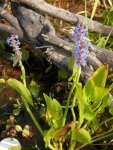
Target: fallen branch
{"x":56,"y":50}
{"x":15,"y":28}
{"x":38,"y":32}
{"x":45,"y":8}
{"x":9,"y":29}
{"x":10,"y":18}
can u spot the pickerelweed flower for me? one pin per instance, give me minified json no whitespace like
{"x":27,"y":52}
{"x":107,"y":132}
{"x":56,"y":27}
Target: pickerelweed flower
{"x":14,"y":42}
{"x":81,"y":47}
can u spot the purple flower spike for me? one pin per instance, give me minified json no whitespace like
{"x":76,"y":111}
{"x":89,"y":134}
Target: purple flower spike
{"x":14,"y":42}
{"x":81,"y":47}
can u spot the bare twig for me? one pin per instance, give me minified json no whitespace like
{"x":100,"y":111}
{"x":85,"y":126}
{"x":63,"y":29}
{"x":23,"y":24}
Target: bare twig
{"x":10,"y":30}
{"x":10,"y":18}
{"x":96,"y":57}
{"x":53,"y":11}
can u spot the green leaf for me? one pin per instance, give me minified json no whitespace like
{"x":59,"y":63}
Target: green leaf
{"x":100,"y":75}
{"x":83,"y":136}
{"x":48,"y":136}
{"x":89,"y":90}
{"x":89,"y":114}
{"x":25,"y":54}
{"x":101,"y":42}
{"x":54,"y":109}
{"x":34,"y":90}
{"x":102,"y":92}
{"x":71,"y":62}
{"x":16,"y":112}
{"x":21,"y":89}
{"x":106,"y":101}
{"x":111,"y":110}
{"x":94,"y":125}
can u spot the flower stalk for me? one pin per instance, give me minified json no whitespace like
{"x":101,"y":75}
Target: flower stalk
{"x":13,"y":42}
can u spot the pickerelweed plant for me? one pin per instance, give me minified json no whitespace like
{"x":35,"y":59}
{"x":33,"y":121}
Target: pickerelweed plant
{"x":86,"y":103}
{"x":20,"y":86}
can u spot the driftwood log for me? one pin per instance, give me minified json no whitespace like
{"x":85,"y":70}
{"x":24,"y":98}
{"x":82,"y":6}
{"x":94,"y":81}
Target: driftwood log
{"x":29,"y":22}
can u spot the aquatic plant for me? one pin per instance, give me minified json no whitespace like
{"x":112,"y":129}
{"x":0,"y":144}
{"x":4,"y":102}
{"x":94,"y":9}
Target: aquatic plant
{"x":90,"y":101}
{"x":20,"y":87}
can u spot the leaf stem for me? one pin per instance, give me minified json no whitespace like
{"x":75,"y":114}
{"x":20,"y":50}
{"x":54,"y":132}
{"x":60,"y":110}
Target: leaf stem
{"x":105,"y":122}
{"x":23,"y":72}
{"x":75,"y":77}
{"x":72,"y":107}
{"x":32,"y":116}
{"x":67,"y":104}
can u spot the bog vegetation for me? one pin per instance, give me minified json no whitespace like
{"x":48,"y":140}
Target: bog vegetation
{"x":73,"y":113}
